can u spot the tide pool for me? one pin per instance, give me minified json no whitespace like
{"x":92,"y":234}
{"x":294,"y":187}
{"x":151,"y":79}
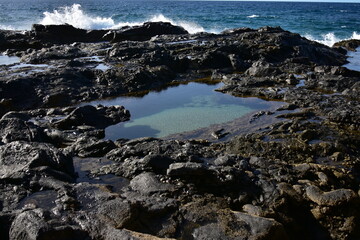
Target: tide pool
{"x":179,"y":109}
{"x":7,"y":60}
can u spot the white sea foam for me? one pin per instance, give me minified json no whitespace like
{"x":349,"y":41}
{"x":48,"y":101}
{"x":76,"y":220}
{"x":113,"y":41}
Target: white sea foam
{"x":330,"y":39}
{"x":76,"y":17}
{"x":253,"y":16}
{"x":6,"y":27}
{"x":355,"y":35}
{"x":189,"y":26}
{"x":327,"y":39}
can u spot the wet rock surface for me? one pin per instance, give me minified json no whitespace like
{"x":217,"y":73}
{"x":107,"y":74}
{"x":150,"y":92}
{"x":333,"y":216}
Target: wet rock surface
{"x":294,"y":177}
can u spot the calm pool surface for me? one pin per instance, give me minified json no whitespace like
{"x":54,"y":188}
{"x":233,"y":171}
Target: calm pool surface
{"x":178,"y":109}
{"x":6,"y":60}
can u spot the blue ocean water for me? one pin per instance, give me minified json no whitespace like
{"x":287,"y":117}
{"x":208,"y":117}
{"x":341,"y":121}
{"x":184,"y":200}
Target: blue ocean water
{"x":324,"y":22}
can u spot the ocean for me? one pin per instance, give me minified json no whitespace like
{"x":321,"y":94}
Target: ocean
{"x":323,"y":22}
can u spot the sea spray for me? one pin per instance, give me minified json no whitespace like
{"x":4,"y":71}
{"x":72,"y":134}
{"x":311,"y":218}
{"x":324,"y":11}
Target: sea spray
{"x":193,"y":16}
{"x":188,"y":26}
{"x":330,"y":39}
{"x":76,"y":17}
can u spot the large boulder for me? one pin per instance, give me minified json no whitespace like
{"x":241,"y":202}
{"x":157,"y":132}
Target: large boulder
{"x":332,"y":198}
{"x":13,"y":128}
{"x":66,"y":34}
{"x":31,"y":225}
{"x":99,"y":117}
{"x":146,"y":31}
{"x":17,"y":40}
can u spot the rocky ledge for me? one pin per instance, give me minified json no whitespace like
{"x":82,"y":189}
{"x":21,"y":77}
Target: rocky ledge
{"x":297,"y":178}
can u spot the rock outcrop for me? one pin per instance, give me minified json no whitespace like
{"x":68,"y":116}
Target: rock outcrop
{"x":294,"y":178}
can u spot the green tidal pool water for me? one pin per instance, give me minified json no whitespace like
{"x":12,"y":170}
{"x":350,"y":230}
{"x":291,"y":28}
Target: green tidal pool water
{"x":179,"y":109}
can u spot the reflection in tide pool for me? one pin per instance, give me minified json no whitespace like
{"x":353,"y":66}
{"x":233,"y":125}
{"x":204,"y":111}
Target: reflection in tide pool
{"x":6,"y":60}
{"x":179,"y":109}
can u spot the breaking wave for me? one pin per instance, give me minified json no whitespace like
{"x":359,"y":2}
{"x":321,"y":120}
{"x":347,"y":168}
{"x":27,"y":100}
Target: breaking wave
{"x":330,"y":39}
{"x":76,"y":17}
{"x":5,"y":27}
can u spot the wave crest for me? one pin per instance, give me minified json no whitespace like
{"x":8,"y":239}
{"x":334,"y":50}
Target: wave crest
{"x":188,"y":26}
{"x":76,"y":17}
{"x":330,"y":39}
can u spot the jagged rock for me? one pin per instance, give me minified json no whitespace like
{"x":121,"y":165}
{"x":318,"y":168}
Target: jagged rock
{"x":350,"y":45}
{"x":158,"y":163}
{"x":65,"y":34}
{"x":181,"y":189}
{"x":31,"y":225}
{"x":93,"y":147}
{"x":28,"y":225}
{"x":17,"y":40}
{"x":262,"y":69}
{"x":332,"y":198}
{"x":146,"y":183}
{"x":157,"y":213}
{"x":18,"y":159}
{"x":89,"y":196}
{"x":262,"y":228}
{"x":45,"y":55}
{"x":99,"y":117}
{"x":186,"y":169}
{"x":14,"y":129}
{"x":226,"y":160}
{"x":117,"y":213}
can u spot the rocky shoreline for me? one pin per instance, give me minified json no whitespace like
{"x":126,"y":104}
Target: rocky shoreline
{"x":294,"y":177}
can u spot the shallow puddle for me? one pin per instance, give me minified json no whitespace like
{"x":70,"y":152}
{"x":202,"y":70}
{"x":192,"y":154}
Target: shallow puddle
{"x":7,"y":60}
{"x":179,"y":109}
{"x":354,"y":60}
{"x":44,"y":199}
{"x":301,"y":83}
{"x":102,"y":67}
{"x":83,"y":167}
